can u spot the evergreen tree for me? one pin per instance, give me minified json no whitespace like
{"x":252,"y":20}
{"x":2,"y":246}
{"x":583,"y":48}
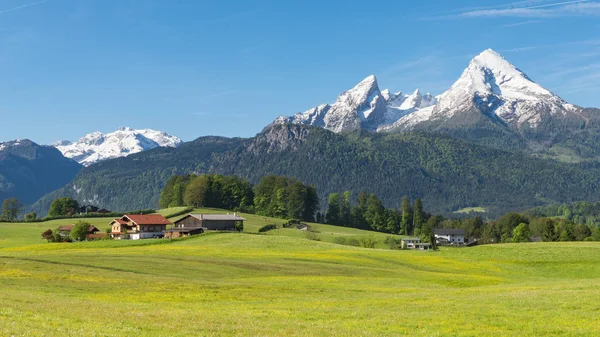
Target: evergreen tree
{"x":345,"y":211}
{"x":418,"y":218}
{"x":407,"y":217}
{"x":332,"y":216}
{"x":549,"y":233}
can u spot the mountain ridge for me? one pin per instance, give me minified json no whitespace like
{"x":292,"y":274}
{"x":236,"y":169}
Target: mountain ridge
{"x":28,"y":170}
{"x":97,"y":146}
{"x":447,"y":173}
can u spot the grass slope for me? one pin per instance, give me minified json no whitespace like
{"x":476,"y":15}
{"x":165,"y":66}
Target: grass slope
{"x":281,"y":285}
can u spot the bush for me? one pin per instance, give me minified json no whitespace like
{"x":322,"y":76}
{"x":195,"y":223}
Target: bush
{"x":312,"y":236}
{"x":368,"y":242}
{"x":267,"y":228}
{"x":353,"y":242}
{"x":393,"y":243}
{"x":340,"y":240}
{"x":30,"y":217}
{"x":48,"y":235}
{"x":239,"y":226}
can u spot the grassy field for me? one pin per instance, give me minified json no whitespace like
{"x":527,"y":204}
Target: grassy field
{"x":282,"y":284}
{"x":470,"y":210}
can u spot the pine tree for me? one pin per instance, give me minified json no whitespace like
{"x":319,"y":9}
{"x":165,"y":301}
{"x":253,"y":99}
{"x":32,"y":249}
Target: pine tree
{"x":418,"y":218}
{"x":332,"y":216}
{"x":407,"y":217}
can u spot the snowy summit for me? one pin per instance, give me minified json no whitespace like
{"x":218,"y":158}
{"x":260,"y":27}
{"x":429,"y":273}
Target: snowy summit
{"x":490,"y":85}
{"x":98,"y":146}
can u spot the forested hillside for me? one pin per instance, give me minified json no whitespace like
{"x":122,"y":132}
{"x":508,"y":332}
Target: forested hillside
{"x":447,"y":173}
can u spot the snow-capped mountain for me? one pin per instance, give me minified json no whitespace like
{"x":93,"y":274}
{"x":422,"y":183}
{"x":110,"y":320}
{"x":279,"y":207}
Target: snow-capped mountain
{"x":98,"y":146}
{"x":363,"y":106}
{"x":490,"y":85}
{"x":497,"y":89}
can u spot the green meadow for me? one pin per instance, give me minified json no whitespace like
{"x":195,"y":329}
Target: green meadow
{"x":283,"y":284}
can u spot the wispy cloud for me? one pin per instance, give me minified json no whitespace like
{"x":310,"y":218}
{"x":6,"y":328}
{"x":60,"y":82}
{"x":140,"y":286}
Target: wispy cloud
{"x":529,"y":9}
{"x":536,"y":47}
{"x":559,"y":9}
{"x":517,"y":24}
{"x":8,"y":10}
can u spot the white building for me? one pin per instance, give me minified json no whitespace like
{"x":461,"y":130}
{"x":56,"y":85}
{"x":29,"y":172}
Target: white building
{"x":409,"y":243}
{"x":450,"y":236}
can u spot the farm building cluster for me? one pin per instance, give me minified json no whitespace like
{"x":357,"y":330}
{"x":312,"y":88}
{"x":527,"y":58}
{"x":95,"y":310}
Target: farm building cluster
{"x":443,"y":237}
{"x":153,"y":226}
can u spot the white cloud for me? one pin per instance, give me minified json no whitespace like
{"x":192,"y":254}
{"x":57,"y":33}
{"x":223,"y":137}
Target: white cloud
{"x":570,"y":43}
{"x":568,"y":8}
{"x":517,"y":24}
{"x":527,"y":9}
{"x":2,"y":11}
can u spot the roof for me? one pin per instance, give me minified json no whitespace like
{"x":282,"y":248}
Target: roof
{"x":148,"y":219}
{"x":457,"y":231}
{"x":423,"y":244}
{"x":218,"y":217}
{"x":413,"y":239}
{"x":67,"y":228}
{"x":120,"y":221}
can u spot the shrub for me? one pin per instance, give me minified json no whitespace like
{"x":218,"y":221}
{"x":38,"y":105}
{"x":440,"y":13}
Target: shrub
{"x":393,"y":243}
{"x":353,"y":242}
{"x":239,"y":226}
{"x":368,"y":242}
{"x":30,"y":216}
{"x":48,"y":235}
{"x":267,"y":228}
{"x":340,"y":240}
{"x":312,"y":236}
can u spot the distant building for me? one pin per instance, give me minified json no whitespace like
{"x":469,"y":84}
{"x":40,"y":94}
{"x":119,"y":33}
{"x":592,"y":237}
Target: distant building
{"x":450,"y":236}
{"x":211,"y":222}
{"x":136,"y":227}
{"x":303,"y":227}
{"x":409,"y":243}
{"x":423,"y":246}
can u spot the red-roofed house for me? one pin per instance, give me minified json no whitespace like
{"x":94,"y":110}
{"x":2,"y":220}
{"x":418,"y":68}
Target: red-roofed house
{"x":139,"y":226}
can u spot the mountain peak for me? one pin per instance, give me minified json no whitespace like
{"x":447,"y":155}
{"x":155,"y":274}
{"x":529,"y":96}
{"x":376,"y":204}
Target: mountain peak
{"x":496,"y":87}
{"x":98,"y":146}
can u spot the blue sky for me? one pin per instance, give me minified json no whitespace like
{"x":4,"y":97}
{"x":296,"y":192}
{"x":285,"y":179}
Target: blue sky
{"x":195,"y":68}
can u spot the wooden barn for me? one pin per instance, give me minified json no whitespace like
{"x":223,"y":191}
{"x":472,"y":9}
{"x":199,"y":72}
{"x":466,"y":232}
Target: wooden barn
{"x":211,"y":222}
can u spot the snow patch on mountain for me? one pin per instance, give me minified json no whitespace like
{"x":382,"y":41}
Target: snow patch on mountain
{"x":98,"y":146}
{"x":363,"y":106}
{"x":496,"y":87}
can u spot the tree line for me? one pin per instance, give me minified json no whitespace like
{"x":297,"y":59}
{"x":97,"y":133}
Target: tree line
{"x":409,"y":218}
{"x":274,"y":196}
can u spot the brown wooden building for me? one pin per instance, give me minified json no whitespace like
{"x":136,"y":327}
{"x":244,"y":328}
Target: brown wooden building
{"x":192,"y":224}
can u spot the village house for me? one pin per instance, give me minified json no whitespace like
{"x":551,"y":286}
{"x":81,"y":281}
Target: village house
{"x":192,"y":224}
{"x":409,"y":243}
{"x":138,"y":226}
{"x":415,"y":243}
{"x":303,"y":227}
{"x":450,"y":236}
